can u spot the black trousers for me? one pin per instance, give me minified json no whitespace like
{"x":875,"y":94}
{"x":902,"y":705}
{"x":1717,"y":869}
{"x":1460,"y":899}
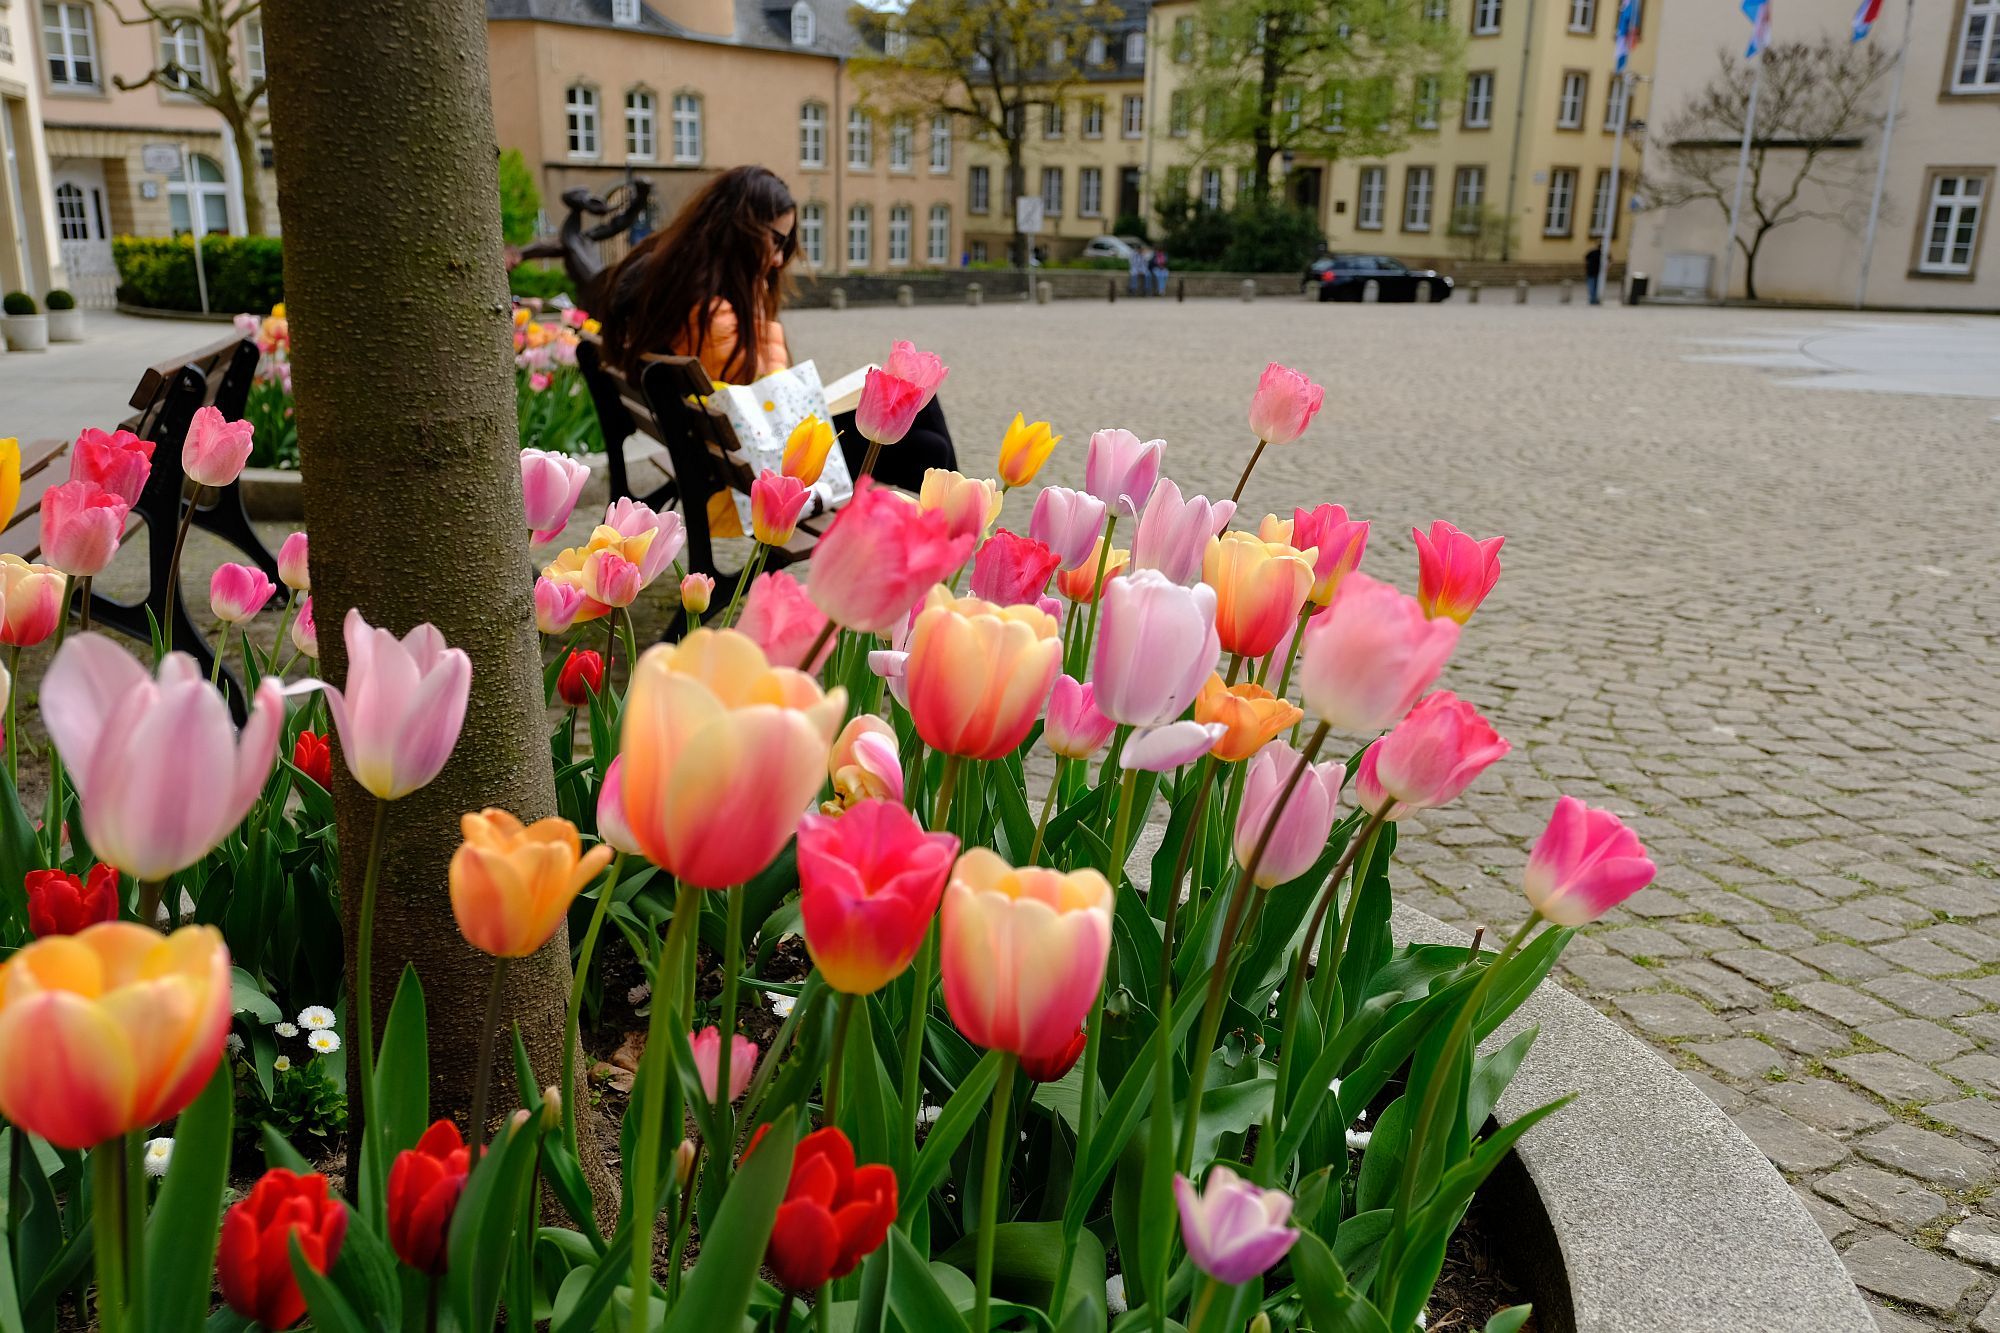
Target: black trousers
{"x":903,"y":464}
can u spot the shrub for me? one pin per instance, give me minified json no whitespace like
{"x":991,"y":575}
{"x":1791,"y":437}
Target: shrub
{"x":59,"y":299}
{"x":1267,"y":237}
{"x":1195,"y":235}
{"x":243,"y":272}
{"x":539,"y":281}
{"x":18,"y":303}
{"x":1131,"y":224}
{"x":520,"y":201}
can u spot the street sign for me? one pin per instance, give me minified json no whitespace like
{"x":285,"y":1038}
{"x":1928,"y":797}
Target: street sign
{"x":1028,"y":215}
{"x":161,"y":159}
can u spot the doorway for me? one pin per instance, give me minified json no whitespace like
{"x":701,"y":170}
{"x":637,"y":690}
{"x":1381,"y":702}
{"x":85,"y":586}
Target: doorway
{"x":83,"y":231}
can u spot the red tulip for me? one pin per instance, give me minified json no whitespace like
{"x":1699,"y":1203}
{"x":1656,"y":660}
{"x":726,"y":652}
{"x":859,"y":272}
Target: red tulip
{"x":253,"y":1258}
{"x":119,"y":462}
{"x":62,"y":904}
{"x":582,"y":676}
{"x":1012,"y":570}
{"x":424,"y":1185}
{"x":834,"y":1213}
{"x":1051,"y":1068}
{"x":312,"y":756}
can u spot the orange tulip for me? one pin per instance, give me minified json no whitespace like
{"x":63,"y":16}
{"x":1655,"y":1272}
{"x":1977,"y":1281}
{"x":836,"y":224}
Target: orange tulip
{"x":112,"y":1029}
{"x":978,"y":674}
{"x":1080,"y":584}
{"x":1259,"y":588}
{"x":723,"y":752}
{"x":1252,"y":713}
{"x":511,"y":886}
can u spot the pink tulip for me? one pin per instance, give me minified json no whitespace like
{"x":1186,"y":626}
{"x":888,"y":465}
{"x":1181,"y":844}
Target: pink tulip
{"x":610,"y":578}
{"x":1163,"y":749}
{"x":696,"y":592}
{"x":1585,"y":863}
{"x":556,"y":605}
{"x":629,"y":518}
{"x":1233,"y":1230}
{"x":1369,"y":655}
{"x":1454,"y":572}
{"x":161,"y":773}
{"x":1430,"y":757}
{"x":781,"y":619}
{"x":119,"y":462}
{"x":551,"y":484}
{"x":893,"y":394}
{"x":238,"y":592}
{"x":611,"y":825}
{"x":305,"y":633}
{"x":1074,"y":728}
{"x":923,"y":369}
{"x":1284,"y":405}
{"x":869,"y":883}
{"x":1067,"y":522}
{"x":540,"y":380}
{"x":1337,"y":541}
{"x":215,"y":450}
{"x":293,"y":569}
{"x":1173,"y":533}
{"x":776,"y":501}
{"x":400,"y":713}
{"x":879,"y":556}
{"x":1120,"y":470}
{"x":82,"y":524}
{"x":1011,"y":570}
{"x":1303,"y":823}
{"x":707,"y":1045}
{"x":1023,"y":952}
{"x":1155,"y":647}
{"x":865,"y":764}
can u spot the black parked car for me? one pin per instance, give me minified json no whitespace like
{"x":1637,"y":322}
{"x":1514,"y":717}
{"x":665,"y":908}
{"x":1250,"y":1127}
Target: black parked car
{"x":1352,"y":277}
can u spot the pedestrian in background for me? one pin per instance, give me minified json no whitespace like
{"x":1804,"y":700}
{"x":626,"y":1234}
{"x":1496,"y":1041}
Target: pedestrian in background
{"x":1160,"y":271}
{"x":1135,"y":277}
{"x":1593,"y":271}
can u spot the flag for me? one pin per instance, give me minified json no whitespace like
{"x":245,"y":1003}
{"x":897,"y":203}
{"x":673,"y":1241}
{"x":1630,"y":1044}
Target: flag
{"x":1759,"y":14}
{"x":1628,"y":29}
{"x":1864,"y":17}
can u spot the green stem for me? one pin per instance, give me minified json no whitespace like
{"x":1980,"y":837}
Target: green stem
{"x":1327,"y":975}
{"x":947,"y":788}
{"x":1292,"y":655}
{"x":827,"y":631}
{"x":843,"y":1015}
{"x":83,"y":610}
{"x":284,"y":623}
{"x":173,"y":574}
{"x":135,"y":1225}
{"x":107,"y":1175}
{"x":14,"y":715}
{"x":1121,"y":830}
{"x":1041,"y":825}
{"x":1082,"y":663}
{"x":913,"y":1044}
{"x":482,"y":1074}
{"x":1209,"y":1286}
{"x":572,"y":1028}
{"x":744,"y":578}
{"x":687,"y":906}
{"x":364,"y":989}
{"x":147,"y":896}
{"x":1244,"y":480}
{"x":823,"y":1309}
{"x":732,"y":963}
{"x":631,"y":649}
{"x":215,"y":662}
{"x":868,"y":460}
{"x":989,"y":1193}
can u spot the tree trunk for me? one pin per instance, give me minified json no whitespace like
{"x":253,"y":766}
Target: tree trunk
{"x":1017,"y":185}
{"x":246,"y":171}
{"x":1750,"y":267}
{"x":1264,"y":146}
{"x":383,"y":122}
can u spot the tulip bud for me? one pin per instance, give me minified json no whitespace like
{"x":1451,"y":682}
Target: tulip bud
{"x":684,"y":1163}
{"x":552,"y":1108}
{"x":293,"y":570}
{"x":696,"y":590}
{"x":582,"y":676}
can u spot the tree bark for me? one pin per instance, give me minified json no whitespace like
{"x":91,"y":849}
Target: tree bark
{"x":1264,"y":145}
{"x":246,"y":171}
{"x":386,"y":162}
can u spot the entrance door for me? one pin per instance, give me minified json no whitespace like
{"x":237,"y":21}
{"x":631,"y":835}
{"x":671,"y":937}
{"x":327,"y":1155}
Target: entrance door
{"x":1128,"y":192}
{"x":84,"y":231}
{"x":1305,"y":183}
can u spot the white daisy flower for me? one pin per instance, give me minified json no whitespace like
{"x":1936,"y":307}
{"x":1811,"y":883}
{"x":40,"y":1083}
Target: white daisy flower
{"x":1358,"y":1139}
{"x":782,"y":1005}
{"x":1114,"y":1294}
{"x":928,"y":1115}
{"x":282,"y":1063}
{"x":284,"y":1029}
{"x":159,"y":1152}
{"x":326,"y":1043}
{"x":234,"y":1043}
{"x":639,"y":994}
{"x":315,"y":1018}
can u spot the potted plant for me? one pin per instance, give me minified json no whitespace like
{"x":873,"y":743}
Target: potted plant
{"x":26,"y":328}
{"x":65,"y":320}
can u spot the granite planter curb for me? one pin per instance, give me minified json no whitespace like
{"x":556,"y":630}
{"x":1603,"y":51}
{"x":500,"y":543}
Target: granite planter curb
{"x":1664,"y":1216}
{"x":274,"y":494}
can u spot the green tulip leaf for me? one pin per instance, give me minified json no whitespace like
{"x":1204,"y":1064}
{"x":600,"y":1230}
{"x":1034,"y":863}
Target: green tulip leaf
{"x":719,"y":1288}
{"x":188,"y":1214}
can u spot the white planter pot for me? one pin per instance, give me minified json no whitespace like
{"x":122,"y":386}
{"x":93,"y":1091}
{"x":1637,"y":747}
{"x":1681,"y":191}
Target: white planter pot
{"x":26,"y":333}
{"x":66,"y":326}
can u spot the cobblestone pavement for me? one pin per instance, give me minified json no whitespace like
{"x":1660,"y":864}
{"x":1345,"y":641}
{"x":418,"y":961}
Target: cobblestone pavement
{"x":1759,"y":622}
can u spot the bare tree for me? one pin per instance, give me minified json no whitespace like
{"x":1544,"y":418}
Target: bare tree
{"x":216,"y":85}
{"x":984,"y":63}
{"x":1815,"y":112}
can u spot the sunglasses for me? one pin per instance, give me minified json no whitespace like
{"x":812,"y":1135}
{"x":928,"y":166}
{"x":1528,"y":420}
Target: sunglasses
{"x":786,"y":241}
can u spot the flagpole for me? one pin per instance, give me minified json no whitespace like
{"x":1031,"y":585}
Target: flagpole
{"x":1742,"y":168}
{"x":1611,"y":203}
{"x":1882,"y":164}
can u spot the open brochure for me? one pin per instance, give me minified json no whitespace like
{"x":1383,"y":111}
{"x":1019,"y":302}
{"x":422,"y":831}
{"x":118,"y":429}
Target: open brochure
{"x":844,"y":394}
{"x":763,"y":415}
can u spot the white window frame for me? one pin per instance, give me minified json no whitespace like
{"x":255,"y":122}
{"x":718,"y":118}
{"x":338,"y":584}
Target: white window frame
{"x":1430,"y":95}
{"x":1373,"y":185}
{"x":581,"y":121}
{"x":1132,"y":122}
{"x":689,"y":135}
{"x":937,"y":235}
{"x":1183,"y":40}
{"x":1573,"y":98}
{"x":642,"y":125}
{"x":1977,"y":51}
{"x":1292,"y":101}
{"x":1583,"y":15}
{"x":903,"y":145}
{"x":1211,"y":187}
{"x":1177,"y":113}
{"x":208,"y":189}
{"x":1559,"y":214}
{"x":805,"y":24}
{"x":1135,"y":47}
{"x":940,"y":144}
{"x":1333,"y":111}
{"x":1463,"y":197}
{"x":812,"y":135}
{"x":1093,"y":51}
{"x":253,"y":47}
{"x":860,"y":140}
{"x":1093,"y":118}
{"x":812,"y":233}
{"x":1479,"y":100}
{"x":860,"y":235}
{"x":1419,"y":188}
{"x":1052,"y":192}
{"x":1600,"y":204}
{"x":900,"y":228}
{"x":72,"y":212}
{"x":979,"y":190}
{"x":1058,"y":52}
{"x":1614,"y":97}
{"x":895,"y":42}
{"x":1437,"y":11}
{"x":625,"y":13}
{"x":179,"y":41}
{"x":1959,"y":209}
{"x":1052,"y":120}
{"x":1486,"y":16}
{"x":1090,"y":192}
{"x":69,"y":40}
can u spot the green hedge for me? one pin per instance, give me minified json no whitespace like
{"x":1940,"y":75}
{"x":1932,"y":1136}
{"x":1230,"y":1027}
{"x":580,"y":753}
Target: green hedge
{"x":245,"y":273}
{"x":536,"y":280}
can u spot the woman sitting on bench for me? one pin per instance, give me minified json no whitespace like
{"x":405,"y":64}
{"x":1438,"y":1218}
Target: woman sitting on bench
{"x":723,"y":266}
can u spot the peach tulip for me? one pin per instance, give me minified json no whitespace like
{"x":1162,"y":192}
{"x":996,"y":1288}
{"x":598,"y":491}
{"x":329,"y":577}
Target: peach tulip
{"x":1120,"y":470}
{"x":1156,"y":646}
{"x":806,"y":449}
{"x":970,"y":503}
{"x":869,"y":882}
{"x":1067,"y":522}
{"x":215,"y":450}
{"x":865,"y":764}
{"x":879,"y":556}
{"x":1023,"y":449}
{"x":1074,"y":728}
{"x":776,"y":501}
{"x":722,"y":752}
{"x":31,"y":601}
{"x":237,"y":593}
{"x":571,"y":565}
{"x":1081,"y":584}
{"x":551,"y":484}
{"x":1304,"y":822}
{"x":978,"y":674}
{"x":82,"y":524}
{"x":1023,"y":952}
{"x":1327,"y":530}
{"x":696,"y":592}
{"x":1454,"y":572}
{"x":1585,"y":863}
{"x":1284,"y":405}
{"x":110,"y":1030}
{"x":611,"y":826}
{"x":118,"y":462}
{"x":1174,"y":533}
{"x":706,"y":1046}
{"x":1369,"y":655}
{"x":1250,"y":715}
{"x":404,"y":702}
{"x":631,"y":520}
{"x":161,"y":773}
{"x":1428,"y":759}
{"x":293,"y":568}
{"x":511,"y":886}
{"x":781,"y":619}
{"x":1259,"y":588}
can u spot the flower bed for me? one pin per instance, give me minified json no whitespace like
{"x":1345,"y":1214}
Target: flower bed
{"x":1020,"y":1074}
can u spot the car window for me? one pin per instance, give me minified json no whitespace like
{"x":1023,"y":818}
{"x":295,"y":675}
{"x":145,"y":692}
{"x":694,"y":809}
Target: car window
{"x":1388,"y":265}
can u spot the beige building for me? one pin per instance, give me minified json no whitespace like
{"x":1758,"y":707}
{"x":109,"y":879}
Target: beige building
{"x":1934,"y":246}
{"x":30,"y":260}
{"x":675,"y":91}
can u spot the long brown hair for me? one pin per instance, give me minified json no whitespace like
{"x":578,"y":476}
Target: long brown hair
{"x":715,"y":248}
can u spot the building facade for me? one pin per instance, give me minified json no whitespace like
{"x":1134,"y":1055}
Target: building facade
{"x":30,"y":259}
{"x":675,"y":91}
{"x":1932,"y":246}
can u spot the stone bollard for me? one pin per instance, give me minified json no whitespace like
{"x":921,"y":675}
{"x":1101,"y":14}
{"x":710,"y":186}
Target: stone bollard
{"x":974,"y":294}
{"x":1521,"y":292}
{"x":1472,"y":290}
{"x":1423,"y":293}
{"x":1180,"y":290}
{"x":1111,"y":291}
{"x":906,"y":295}
{"x":1568,"y":292}
{"x":1045,"y":292}
{"x":837,"y":299}
{"x":1249,"y":290}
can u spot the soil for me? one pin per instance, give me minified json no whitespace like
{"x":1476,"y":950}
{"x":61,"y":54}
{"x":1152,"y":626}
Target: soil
{"x":1474,"y":1285}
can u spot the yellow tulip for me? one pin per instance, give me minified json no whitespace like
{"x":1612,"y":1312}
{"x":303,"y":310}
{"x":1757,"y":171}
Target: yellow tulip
{"x":511,"y":886}
{"x":1025,"y":447}
{"x":10,"y":476}
{"x":806,"y":449}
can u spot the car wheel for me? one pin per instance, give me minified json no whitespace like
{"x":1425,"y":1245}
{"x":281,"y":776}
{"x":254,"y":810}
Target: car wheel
{"x":1371,"y":291}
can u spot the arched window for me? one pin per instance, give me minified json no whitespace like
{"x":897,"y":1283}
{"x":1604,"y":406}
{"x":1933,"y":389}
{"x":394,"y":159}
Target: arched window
{"x":687,"y":127}
{"x":580,"y":108}
{"x":812,"y":135}
{"x":207,"y":198}
{"x":642,"y":139}
{"x":860,"y":243}
{"x":805,"y":24}
{"x":938,"y":247}
{"x":860,"y":140}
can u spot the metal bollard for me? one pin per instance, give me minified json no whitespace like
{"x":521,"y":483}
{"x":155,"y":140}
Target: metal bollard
{"x":1569,"y":291}
{"x":974,"y":294}
{"x":1045,"y":292}
{"x":1249,"y":290}
{"x":906,"y":295}
{"x":1472,"y":290}
{"x":1521,"y":292}
{"x":1180,"y":290}
{"x":1111,"y":291}
{"x":837,"y":298}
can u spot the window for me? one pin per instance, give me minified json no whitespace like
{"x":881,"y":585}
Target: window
{"x":1211,"y":187}
{"x":1090,"y":192}
{"x":1135,"y":48}
{"x":1176,"y":186}
{"x":812,"y":233}
{"x":183,"y":57}
{"x":1333,"y":111}
{"x":979,"y":190}
{"x":978,"y":252}
{"x":902,"y":143}
{"x":1437,"y":11}
{"x":1058,"y":51}
{"x":1468,"y":195}
{"x":1368,"y":208}
{"x":1950,"y":239}
{"x":812,"y":135}
{"x":860,"y":140}
{"x":1978,"y":67}
{"x":641,"y":135}
{"x":1135,"y":116}
{"x":1600,"y":204}
{"x":253,"y":47}
{"x":1417,"y":199}
{"x":687,"y":127}
{"x":899,"y":234}
{"x":1290,"y":101}
{"x":1569,"y":109}
{"x":1183,"y":40}
{"x":1052,"y":191}
{"x":72,"y":219}
{"x":940,"y":144}
{"x":1615,"y":103}
{"x":1479,"y":100}
{"x":1582,"y":15}
{"x":1017,"y":121}
{"x":1093,"y":120}
{"x":207,"y":198}
{"x":937,"y":239}
{"x":858,"y":240}
{"x":895,"y":42}
{"x":1052,"y":121}
{"x":1093,"y":54}
{"x":1427,"y":102}
{"x":1485,"y":17}
{"x":805,"y":24}
{"x":71,"y":41}
{"x":625,"y":12}
{"x":1560,"y":217}
{"x":580,"y":105}
{"x":1177,"y":114}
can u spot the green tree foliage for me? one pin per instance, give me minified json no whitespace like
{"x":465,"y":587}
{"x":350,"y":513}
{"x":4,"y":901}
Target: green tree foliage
{"x":520,"y":201}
